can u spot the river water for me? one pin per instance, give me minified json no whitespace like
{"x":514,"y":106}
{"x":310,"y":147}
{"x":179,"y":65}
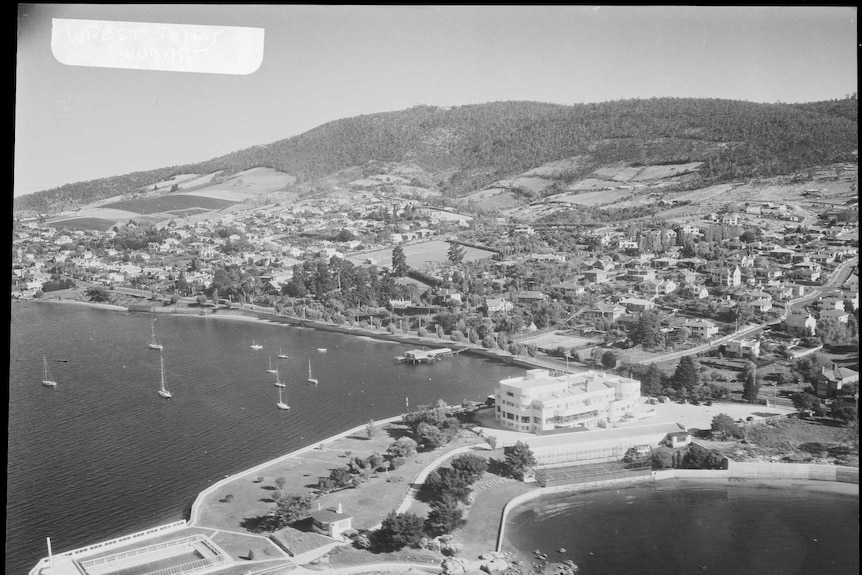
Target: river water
{"x":102,"y":455}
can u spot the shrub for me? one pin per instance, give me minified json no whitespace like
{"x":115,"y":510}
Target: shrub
{"x":362,"y":542}
{"x":725,"y":426}
{"x":451,"y":549}
{"x":401,"y":529}
{"x":662,"y":458}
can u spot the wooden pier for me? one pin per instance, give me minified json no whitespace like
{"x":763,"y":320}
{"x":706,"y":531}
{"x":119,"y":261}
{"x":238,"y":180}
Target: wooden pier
{"x":426,"y":356}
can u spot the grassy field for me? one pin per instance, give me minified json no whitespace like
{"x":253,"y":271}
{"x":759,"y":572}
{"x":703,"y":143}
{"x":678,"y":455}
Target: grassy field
{"x":420,"y":253}
{"x":168,"y":203}
{"x":97,"y":224}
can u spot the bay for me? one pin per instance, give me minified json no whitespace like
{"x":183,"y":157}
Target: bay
{"x":102,"y":455}
{"x":688,"y":527}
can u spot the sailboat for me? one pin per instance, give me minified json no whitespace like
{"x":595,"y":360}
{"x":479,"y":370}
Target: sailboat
{"x":270,"y":370}
{"x":281,"y":404}
{"x":311,"y":378}
{"x":48,"y":379}
{"x":154,"y":344}
{"x":255,"y":346}
{"x":278,"y":381}
{"x":281,"y":354}
{"x":163,"y":388}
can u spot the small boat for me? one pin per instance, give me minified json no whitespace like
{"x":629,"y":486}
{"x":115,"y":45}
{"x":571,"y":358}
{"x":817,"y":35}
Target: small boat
{"x":270,"y":370}
{"x":255,"y":345}
{"x":48,"y":379}
{"x":281,"y":404}
{"x":281,"y":354}
{"x":321,"y":349}
{"x":311,"y":378}
{"x":163,"y":388}
{"x":153,"y":343}
{"x":278,"y":382}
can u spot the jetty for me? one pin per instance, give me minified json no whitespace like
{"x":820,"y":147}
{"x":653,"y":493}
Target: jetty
{"x":426,"y":355}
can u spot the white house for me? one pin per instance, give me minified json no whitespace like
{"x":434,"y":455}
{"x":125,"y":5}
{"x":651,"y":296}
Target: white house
{"x":540,"y":402}
{"x":701,"y":328}
{"x":331,"y":522}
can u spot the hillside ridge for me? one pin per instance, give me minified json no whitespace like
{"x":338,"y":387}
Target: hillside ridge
{"x":464,"y":149}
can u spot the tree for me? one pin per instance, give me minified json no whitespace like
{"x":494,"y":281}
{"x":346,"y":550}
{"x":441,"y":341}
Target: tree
{"x":445,"y":516}
{"x":685,"y":376}
{"x":662,"y":458}
{"x":518,"y":458}
{"x":431,"y":436}
{"x":201,"y":299}
{"x":370,"y":429}
{"x":401,"y":529}
{"x":846,"y":414}
{"x":280,"y":482}
{"x":609,"y":359}
{"x":725,"y":425}
{"x":750,"y":383}
{"x":471,"y":465}
{"x":402,"y":447}
{"x":456,"y":253}
{"x":652,"y":381}
{"x":98,"y":294}
{"x":291,"y":508}
{"x":399,"y":262}
{"x":804,"y":402}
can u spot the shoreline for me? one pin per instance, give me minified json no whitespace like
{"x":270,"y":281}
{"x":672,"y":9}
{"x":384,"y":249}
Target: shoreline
{"x":248,"y":315}
{"x":241,"y":314}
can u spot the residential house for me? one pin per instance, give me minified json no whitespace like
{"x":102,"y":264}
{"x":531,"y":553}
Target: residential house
{"x":610,"y":311}
{"x":832,"y":380}
{"x":742,"y":348}
{"x":634,"y":304}
{"x":496,"y":305}
{"x":695,"y":291}
{"x":701,"y":328}
{"x":836,"y":314}
{"x":800,"y":322}
{"x":569,"y":289}
{"x":595,"y":276}
{"x":640,"y":274}
{"x":529,"y":297}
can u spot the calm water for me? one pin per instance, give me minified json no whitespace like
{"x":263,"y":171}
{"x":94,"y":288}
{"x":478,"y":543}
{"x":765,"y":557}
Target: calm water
{"x":702,"y":528}
{"x":102,"y":454}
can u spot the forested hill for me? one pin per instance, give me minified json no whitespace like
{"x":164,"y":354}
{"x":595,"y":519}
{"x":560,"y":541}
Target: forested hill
{"x":477,"y":144}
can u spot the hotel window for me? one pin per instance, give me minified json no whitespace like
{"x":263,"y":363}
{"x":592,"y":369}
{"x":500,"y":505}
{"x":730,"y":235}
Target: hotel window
{"x":509,"y":415}
{"x":510,"y":394}
{"x":537,"y":420}
{"x":525,"y":419}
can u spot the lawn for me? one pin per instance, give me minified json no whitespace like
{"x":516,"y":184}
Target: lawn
{"x":368,"y":504}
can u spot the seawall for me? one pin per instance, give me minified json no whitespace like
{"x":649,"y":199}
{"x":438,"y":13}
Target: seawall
{"x":735,"y":472}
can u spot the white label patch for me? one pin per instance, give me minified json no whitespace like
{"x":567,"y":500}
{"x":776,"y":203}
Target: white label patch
{"x":152,"y":46}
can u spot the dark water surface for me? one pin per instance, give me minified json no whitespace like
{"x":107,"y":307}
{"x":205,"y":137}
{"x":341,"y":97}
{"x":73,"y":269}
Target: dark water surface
{"x":102,"y":455}
{"x":689,"y":528}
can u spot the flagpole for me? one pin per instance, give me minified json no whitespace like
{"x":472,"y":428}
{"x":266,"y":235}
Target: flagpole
{"x":50,"y":555}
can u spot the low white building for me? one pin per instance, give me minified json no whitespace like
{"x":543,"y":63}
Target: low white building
{"x":540,"y":402}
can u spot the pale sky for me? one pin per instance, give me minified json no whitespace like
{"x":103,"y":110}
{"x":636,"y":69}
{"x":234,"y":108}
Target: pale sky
{"x":323,"y":63}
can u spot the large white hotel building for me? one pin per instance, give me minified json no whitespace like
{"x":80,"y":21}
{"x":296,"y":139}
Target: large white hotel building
{"x":541,"y":402}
